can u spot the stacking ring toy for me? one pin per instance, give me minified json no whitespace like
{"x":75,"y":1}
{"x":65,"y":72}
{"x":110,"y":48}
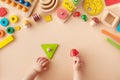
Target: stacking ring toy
{"x":10,"y":30}
{"x":13,"y":19}
{"x":62,"y":13}
{"x":2,"y":33}
{"x":4,"y":22}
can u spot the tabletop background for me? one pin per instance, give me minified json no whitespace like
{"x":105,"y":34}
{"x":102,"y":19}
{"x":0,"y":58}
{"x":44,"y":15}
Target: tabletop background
{"x":102,"y":61}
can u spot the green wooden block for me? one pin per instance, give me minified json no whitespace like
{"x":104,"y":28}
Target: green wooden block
{"x":49,"y":49}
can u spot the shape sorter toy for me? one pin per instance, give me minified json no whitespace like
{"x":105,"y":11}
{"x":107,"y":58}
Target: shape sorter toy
{"x":110,"y":19}
{"x":23,"y":5}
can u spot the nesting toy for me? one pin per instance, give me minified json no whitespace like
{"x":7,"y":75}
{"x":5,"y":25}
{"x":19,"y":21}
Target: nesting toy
{"x":13,"y":19}
{"x":10,"y":30}
{"x":4,"y":22}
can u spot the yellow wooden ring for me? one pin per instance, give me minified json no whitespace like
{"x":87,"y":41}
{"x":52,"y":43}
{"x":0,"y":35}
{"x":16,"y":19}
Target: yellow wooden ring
{"x":13,"y":19}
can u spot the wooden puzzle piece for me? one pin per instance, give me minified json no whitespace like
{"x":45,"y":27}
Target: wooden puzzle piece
{"x":49,"y":49}
{"x":93,"y":7}
{"x":111,"y":2}
{"x":68,"y":5}
{"x":6,"y":41}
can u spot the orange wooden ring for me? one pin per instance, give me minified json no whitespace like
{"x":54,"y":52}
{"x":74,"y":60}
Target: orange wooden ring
{"x":2,"y":33}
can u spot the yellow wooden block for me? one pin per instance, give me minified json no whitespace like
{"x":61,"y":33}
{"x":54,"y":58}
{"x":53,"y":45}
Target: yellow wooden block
{"x":6,"y":41}
{"x":47,"y":18}
{"x":68,"y":5}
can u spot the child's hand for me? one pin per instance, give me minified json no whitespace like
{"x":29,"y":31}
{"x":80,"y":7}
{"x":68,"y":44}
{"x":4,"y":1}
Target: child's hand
{"x":77,"y":63}
{"x":41,"y":64}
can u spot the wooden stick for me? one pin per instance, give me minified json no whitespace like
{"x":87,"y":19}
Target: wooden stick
{"x":115,"y":37}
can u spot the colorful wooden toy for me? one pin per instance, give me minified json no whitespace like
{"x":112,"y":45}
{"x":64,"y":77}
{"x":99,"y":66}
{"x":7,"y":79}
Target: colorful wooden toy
{"x":49,"y":49}
{"x":10,"y":30}
{"x":84,"y":17}
{"x":24,"y":9}
{"x":113,"y":36}
{"x":111,"y":2}
{"x":19,"y":6}
{"x":76,"y":14}
{"x":17,"y":28}
{"x":3,"y":11}
{"x":4,"y":22}
{"x":110,"y":19}
{"x":93,"y":8}
{"x":26,"y":24}
{"x":36,"y":17}
{"x":13,"y":18}
{"x":62,"y":13}
{"x":94,"y":21}
{"x":47,"y":18}
{"x":68,"y":5}
{"x":27,"y":4}
{"x":118,"y":27}
{"x":14,"y":4}
{"x":8,"y":1}
{"x":6,"y":41}
{"x":113,"y":43}
{"x":75,"y":2}
{"x":2,"y":33}
{"x":21,"y":1}
{"x":74,"y":53}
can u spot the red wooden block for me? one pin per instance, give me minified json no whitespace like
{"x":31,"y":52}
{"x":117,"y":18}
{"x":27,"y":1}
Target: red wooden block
{"x":111,"y":2}
{"x":3,"y":12}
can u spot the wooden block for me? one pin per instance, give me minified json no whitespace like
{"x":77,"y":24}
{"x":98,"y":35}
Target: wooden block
{"x":110,"y":19}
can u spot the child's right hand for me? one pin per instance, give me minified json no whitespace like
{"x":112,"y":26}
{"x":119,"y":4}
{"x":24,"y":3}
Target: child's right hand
{"x":41,"y":64}
{"x":77,"y":63}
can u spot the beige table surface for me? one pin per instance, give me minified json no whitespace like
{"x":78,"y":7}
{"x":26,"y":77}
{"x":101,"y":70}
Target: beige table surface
{"x":102,"y":61}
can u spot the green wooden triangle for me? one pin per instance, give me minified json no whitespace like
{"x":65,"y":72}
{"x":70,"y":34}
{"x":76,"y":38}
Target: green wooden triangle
{"x":49,"y":49}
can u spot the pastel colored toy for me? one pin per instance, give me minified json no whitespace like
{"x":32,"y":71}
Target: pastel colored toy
{"x":110,"y":19}
{"x":3,"y":11}
{"x":47,"y":18}
{"x":19,"y":6}
{"x":75,"y":2}
{"x":26,"y":24}
{"x":14,"y":4}
{"x":113,"y":36}
{"x":62,"y":13}
{"x":36,"y":17}
{"x":118,"y":27}
{"x":93,"y":7}
{"x":74,"y":52}
{"x":68,"y":5}
{"x":6,"y":41}
{"x":13,"y":19}
{"x":94,"y":21}
{"x":2,"y":33}
{"x":49,"y":49}
{"x":4,"y":22}
{"x":84,"y":17}
{"x":111,"y":2}
{"x":17,"y":28}
{"x":76,"y":14}
{"x":113,"y":43}
{"x":27,"y":4}
{"x":24,"y":9}
{"x":10,"y":30}
{"x":8,"y":1}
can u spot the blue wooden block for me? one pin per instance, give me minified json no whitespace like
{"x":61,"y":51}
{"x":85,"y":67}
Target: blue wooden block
{"x":118,"y":27}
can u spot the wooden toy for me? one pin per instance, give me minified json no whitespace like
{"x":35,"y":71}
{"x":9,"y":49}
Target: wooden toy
{"x":75,"y":2}
{"x":24,"y":9}
{"x":2,"y":33}
{"x":8,"y":1}
{"x":94,"y":21}
{"x":36,"y":17}
{"x":47,"y":18}
{"x":27,"y":4}
{"x":74,"y":53}
{"x":48,"y":5}
{"x":84,"y":17}
{"x":14,"y":4}
{"x":4,"y":22}
{"x":118,"y":27}
{"x":21,"y":1}
{"x":10,"y":30}
{"x":17,"y":28}
{"x":13,"y":18}
{"x":62,"y":13}
{"x":113,"y":43}
{"x":6,"y":41}
{"x":19,"y":6}
{"x":111,"y":2}
{"x":68,"y":5}
{"x":27,"y":24}
{"x":93,"y":8}
{"x":49,"y":49}
{"x":113,"y":36}
{"x":76,"y":14}
{"x":110,"y":19}
{"x":3,"y":11}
